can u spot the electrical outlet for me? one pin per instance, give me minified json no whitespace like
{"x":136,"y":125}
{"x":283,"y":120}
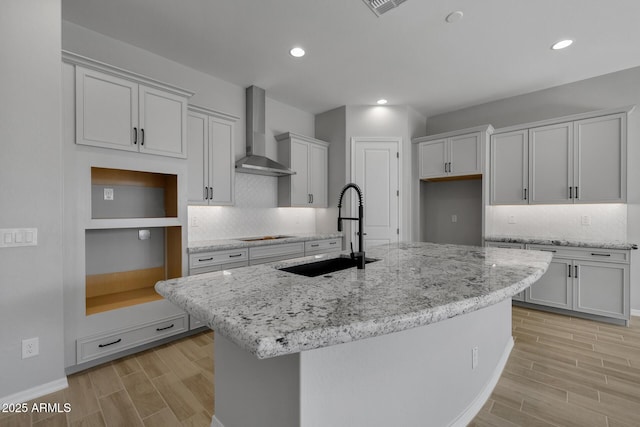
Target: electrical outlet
{"x":512,"y":219}
{"x":585,"y":220}
{"x":454,"y":218}
{"x":30,"y":347}
{"x":108,"y":193}
{"x":474,"y":357}
{"x":194,"y":221}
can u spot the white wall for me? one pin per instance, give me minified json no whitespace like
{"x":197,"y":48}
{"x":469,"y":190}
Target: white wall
{"x":31,"y":196}
{"x":608,"y":91}
{"x":250,"y":215}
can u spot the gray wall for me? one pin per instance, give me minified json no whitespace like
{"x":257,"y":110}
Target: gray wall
{"x":30,"y":193}
{"x":440,"y":200}
{"x":608,"y":91}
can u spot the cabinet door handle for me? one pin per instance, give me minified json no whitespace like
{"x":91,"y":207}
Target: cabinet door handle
{"x":210,"y":193}
{"x":206,"y":193}
{"x":111,"y":343}
{"x":569,"y":268}
{"x":205,"y":259}
{"x":577,"y":196}
{"x":135,"y":136}
{"x":165,"y":328}
{"x":524,"y":192}
{"x":450,"y":167}
{"x":235,"y":255}
{"x":597,"y":254}
{"x":311,"y":197}
{"x":571,"y":192}
{"x":576,"y":273}
{"x":142,"y":136}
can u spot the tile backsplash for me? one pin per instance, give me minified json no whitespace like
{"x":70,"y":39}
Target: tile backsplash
{"x":596,"y":222}
{"x":255,"y":213}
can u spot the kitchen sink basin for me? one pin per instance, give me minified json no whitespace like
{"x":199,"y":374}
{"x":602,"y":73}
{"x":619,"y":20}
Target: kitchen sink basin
{"x":318,"y":268}
{"x":255,"y":239}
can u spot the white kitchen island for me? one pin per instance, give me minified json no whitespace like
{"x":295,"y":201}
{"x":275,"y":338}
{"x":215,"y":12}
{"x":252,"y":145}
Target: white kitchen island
{"x":389,"y":345}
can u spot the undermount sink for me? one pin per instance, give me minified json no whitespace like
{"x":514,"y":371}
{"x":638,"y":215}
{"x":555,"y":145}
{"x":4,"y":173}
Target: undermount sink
{"x":318,"y":268}
{"x":255,"y":239}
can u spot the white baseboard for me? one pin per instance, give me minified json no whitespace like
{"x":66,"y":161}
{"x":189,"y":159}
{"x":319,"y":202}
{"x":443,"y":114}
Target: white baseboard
{"x":635,"y":312}
{"x":35,"y":392}
{"x":216,"y":422}
{"x":477,"y":404}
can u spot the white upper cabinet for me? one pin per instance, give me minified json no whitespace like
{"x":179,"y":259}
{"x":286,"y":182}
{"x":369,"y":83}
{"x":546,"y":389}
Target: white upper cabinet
{"x":125,"y":111}
{"x":600,"y":156}
{"x":509,"y":168}
{"x":106,"y":111}
{"x":452,"y":154}
{"x":211,"y":157}
{"x":551,"y":163}
{"x":163,"y":119}
{"x":433,"y":158}
{"x":570,"y":161}
{"x":309,"y":158}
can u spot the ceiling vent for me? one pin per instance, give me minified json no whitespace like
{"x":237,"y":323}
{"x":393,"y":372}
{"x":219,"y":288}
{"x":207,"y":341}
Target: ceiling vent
{"x":382,"y":6}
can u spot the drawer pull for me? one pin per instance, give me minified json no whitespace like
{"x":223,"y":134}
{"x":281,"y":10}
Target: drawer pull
{"x":111,"y":343}
{"x":235,"y":255}
{"x":548,"y":250}
{"x":165,"y":328}
{"x":333,"y":243}
{"x":315,"y":246}
{"x":205,"y":259}
{"x":597,"y":254}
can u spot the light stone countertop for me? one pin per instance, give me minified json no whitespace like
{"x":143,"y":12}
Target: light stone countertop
{"x":223,"y":244}
{"x":269,"y":312}
{"x":562,"y":242}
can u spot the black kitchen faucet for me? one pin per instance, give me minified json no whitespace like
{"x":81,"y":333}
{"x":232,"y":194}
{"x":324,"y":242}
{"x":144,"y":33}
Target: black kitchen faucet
{"x":359,"y":256}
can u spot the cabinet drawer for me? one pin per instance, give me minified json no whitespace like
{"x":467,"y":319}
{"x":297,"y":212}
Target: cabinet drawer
{"x":322,"y":246}
{"x":113,"y":342}
{"x":271,"y":253}
{"x":591,"y":254}
{"x":218,"y":267}
{"x":206,"y":259}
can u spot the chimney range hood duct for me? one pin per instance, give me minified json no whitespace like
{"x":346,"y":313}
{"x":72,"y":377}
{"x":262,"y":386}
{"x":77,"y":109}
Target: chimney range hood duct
{"x":255,"y":161}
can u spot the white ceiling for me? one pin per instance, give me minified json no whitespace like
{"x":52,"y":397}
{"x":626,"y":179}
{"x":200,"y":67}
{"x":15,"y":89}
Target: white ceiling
{"x":410,"y":55}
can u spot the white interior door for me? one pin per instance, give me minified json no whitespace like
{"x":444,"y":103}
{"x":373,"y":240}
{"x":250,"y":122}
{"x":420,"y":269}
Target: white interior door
{"x":376,"y":169}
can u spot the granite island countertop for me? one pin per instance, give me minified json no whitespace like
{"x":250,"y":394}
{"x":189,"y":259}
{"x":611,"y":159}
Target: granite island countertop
{"x":224,"y":244}
{"x":562,"y":242}
{"x":269,"y":312}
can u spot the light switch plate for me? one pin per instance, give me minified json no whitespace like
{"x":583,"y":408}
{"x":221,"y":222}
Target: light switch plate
{"x":108,"y":193}
{"x":16,"y":237}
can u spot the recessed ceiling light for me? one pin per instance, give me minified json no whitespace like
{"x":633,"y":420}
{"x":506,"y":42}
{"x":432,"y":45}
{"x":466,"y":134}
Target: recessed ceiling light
{"x":382,"y":101}
{"x":562,"y":44}
{"x":297,"y":52}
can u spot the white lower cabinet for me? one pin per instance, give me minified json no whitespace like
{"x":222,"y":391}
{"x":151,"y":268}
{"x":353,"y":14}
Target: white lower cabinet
{"x":102,"y":345}
{"x":206,"y":262}
{"x":322,"y":246}
{"x":555,"y":288}
{"x":272,"y":253}
{"x":584,"y":280}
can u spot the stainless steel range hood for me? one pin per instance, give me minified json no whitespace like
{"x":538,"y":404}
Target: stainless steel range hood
{"x":255,"y":162}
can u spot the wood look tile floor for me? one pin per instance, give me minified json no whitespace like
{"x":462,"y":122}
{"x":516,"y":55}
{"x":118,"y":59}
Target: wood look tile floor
{"x":562,"y":372}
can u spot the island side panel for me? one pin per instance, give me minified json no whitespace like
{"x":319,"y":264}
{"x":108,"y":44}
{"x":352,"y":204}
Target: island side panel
{"x":421,"y":376}
{"x":255,"y":392}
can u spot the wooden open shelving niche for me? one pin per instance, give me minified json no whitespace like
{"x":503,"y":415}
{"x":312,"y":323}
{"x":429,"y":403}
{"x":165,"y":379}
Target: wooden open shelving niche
{"x":146,"y":195}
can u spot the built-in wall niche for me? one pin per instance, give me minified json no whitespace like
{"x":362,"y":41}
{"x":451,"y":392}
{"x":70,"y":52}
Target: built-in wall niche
{"x":124,"y":264}
{"x":119,"y":193}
